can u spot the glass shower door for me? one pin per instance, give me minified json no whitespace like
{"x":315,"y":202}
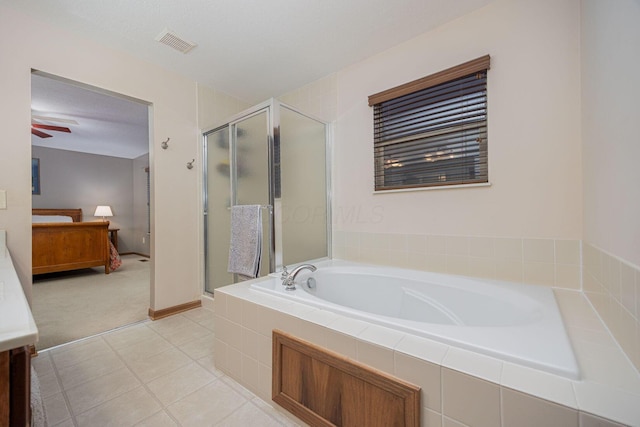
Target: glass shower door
{"x":237,"y":173}
{"x":301,"y":161}
{"x":274,"y":156}
{"x":217,"y":205}
{"x":251,"y":180}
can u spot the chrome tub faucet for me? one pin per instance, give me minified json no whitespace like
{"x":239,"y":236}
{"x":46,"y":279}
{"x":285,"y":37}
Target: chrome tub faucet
{"x":288,"y":279}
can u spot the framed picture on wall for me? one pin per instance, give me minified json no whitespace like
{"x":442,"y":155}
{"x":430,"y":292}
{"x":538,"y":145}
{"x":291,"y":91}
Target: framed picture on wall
{"x":35,"y":176}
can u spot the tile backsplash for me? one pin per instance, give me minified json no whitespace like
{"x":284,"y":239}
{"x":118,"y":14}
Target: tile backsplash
{"x":548,"y":262}
{"x":612,"y":285}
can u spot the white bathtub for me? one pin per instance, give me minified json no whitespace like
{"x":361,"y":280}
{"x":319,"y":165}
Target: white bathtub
{"x":513,"y":322}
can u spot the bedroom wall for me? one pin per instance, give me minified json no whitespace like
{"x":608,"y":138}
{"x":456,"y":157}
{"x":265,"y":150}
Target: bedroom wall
{"x":27,"y":43}
{"x":79,"y":180}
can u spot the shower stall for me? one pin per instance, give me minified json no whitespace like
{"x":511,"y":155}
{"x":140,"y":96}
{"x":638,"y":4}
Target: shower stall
{"x":275,"y":156}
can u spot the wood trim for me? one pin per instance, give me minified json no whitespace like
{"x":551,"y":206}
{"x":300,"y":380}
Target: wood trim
{"x":165,"y":312}
{"x":20,"y":403}
{"x":135,"y":253}
{"x":5,"y":390}
{"x":469,"y":67}
{"x":324,"y":388}
{"x":75,"y":214}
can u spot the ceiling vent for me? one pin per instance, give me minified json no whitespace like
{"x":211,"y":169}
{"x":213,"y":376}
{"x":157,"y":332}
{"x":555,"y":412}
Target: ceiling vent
{"x":172,"y":40}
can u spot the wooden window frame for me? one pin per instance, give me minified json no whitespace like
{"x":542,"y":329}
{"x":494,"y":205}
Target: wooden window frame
{"x":474,"y":67}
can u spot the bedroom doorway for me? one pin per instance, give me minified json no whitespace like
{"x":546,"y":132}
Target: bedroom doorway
{"x":91,"y":148}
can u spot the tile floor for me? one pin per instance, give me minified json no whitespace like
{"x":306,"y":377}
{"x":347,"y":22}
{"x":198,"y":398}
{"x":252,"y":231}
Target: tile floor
{"x":157,"y":373}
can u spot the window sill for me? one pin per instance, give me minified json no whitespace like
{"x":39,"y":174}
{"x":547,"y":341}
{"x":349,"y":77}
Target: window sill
{"x":436,"y":188}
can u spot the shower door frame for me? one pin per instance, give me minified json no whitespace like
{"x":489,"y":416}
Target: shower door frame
{"x":272,"y":109}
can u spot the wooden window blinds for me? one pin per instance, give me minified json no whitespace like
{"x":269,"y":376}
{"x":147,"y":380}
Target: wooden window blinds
{"x":433,"y":131}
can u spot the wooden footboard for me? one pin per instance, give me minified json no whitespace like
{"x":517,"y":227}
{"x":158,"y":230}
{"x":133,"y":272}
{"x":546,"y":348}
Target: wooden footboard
{"x":69,"y":246}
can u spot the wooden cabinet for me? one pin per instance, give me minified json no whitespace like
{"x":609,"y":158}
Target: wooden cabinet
{"x":15,"y":387}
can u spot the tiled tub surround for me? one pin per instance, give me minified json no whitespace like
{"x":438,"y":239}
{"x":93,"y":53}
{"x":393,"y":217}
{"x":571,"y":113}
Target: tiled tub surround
{"x":613,"y":287}
{"x":460,"y":388}
{"x":510,"y":321}
{"x":549,"y":262}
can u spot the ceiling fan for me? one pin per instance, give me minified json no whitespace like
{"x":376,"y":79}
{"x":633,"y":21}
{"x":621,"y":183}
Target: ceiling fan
{"x":36,"y":126}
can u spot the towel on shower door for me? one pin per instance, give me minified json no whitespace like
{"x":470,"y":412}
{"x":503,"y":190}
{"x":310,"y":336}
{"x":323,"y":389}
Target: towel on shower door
{"x":245,"y":249}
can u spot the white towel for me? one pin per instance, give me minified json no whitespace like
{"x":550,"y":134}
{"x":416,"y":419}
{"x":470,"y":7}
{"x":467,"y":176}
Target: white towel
{"x":245,"y":249}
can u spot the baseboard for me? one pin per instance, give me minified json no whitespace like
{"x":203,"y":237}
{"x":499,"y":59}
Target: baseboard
{"x":135,"y":253}
{"x":159,"y":314}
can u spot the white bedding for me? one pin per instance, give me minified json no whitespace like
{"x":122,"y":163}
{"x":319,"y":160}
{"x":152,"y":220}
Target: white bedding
{"x":50,"y":218}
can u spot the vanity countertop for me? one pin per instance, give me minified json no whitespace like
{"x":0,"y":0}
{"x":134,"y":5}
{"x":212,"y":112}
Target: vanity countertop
{"x":17,"y":327}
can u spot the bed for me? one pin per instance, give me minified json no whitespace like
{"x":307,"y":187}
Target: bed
{"x":72,"y":245}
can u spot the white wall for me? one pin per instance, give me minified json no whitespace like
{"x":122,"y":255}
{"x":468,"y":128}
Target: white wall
{"x":534,"y":128}
{"x":611,"y":149}
{"x":139,"y":241}
{"x":26,"y":43}
{"x":611,"y":109}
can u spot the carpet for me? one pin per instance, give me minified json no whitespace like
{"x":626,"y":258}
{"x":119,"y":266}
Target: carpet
{"x":77,"y":304}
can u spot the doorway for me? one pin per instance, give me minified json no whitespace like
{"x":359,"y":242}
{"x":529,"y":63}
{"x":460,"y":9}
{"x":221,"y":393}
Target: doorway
{"x":95,"y":152}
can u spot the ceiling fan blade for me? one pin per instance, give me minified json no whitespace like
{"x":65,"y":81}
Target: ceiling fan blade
{"x":36,"y":132}
{"x":51,"y":127}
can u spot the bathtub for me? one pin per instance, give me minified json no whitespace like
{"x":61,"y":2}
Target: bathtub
{"x":513,"y":322}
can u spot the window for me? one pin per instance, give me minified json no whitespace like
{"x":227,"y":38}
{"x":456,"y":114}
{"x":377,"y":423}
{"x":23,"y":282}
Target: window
{"x":433,"y":131}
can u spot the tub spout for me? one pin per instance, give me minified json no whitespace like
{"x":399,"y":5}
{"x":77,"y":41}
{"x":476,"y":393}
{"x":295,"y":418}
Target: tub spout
{"x":290,"y":280}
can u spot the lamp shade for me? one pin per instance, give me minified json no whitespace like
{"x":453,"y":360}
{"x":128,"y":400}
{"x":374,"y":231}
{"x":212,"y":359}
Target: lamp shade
{"x":103,"y":211}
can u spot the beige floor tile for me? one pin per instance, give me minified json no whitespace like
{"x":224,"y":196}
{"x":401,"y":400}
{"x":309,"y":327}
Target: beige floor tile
{"x":79,"y":351}
{"x":198,"y":314}
{"x":207,"y":406}
{"x":161,"y":419}
{"x":208,"y":362}
{"x":180,"y":383}
{"x":145,"y":349}
{"x":132,"y":335}
{"x":158,"y":365}
{"x":185,"y":334}
{"x":200,"y":347}
{"x":49,"y":384}
{"x":42,"y":363}
{"x":249,"y":415}
{"x":170,"y":324}
{"x":96,"y":382}
{"x":239,"y":388}
{"x":125,"y":410}
{"x":89,"y":369}
{"x":208,"y":323}
{"x":280,"y":415}
{"x":66,"y":423}
{"x":99,"y":390}
{"x":448,"y":422}
{"x":56,"y":409}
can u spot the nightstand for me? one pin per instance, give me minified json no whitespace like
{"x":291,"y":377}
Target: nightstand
{"x":113,"y":235}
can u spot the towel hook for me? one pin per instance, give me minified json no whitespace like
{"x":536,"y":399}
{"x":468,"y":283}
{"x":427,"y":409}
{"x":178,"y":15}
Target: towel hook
{"x":190,"y":164}
{"x":165,"y":144}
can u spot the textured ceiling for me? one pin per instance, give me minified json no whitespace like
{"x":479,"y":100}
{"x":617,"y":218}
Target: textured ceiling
{"x":250,"y":49}
{"x":107,"y":125}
